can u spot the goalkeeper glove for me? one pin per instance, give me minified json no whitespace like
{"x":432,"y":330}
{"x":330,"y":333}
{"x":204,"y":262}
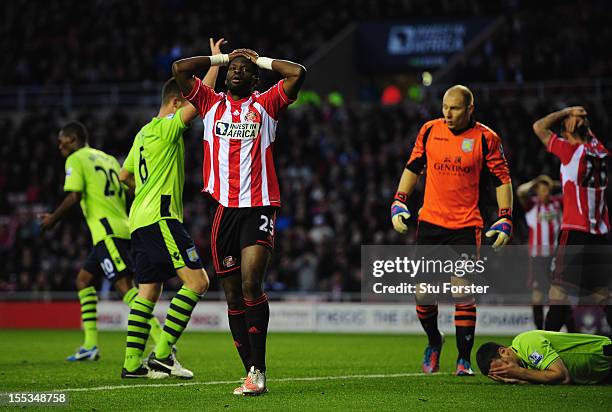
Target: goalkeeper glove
{"x":502,"y":228}
{"x":400,"y":213}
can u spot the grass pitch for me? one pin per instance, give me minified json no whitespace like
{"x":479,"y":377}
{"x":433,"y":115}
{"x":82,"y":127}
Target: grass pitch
{"x":306,"y":372}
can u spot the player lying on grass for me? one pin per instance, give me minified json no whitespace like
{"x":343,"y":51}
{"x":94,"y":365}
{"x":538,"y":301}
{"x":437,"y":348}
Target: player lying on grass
{"x":92,"y":178}
{"x":547,"y":357}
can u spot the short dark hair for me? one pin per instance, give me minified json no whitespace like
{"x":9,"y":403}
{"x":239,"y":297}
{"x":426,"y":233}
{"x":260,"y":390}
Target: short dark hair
{"x":582,"y":131}
{"x":171,"y":90}
{"x":77,"y":130}
{"x":486,"y":354}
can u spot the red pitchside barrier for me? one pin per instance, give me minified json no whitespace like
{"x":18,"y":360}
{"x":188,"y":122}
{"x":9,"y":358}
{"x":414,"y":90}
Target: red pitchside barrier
{"x":47,"y":315}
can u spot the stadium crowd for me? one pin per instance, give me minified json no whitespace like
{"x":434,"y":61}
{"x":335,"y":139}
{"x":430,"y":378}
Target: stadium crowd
{"x":337,"y":166}
{"x":338,"y":163}
{"x":113,"y":41}
{"x":545,"y":42}
{"x":116,"y":41}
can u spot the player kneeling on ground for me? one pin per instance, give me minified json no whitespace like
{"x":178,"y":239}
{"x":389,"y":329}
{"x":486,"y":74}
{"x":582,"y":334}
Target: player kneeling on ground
{"x":546,"y":357}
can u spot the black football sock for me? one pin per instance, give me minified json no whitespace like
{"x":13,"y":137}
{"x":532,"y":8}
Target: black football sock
{"x":257,"y":317}
{"x":465,"y":326}
{"x":538,"y":316}
{"x":428,"y":315}
{"x":238,"y":327}
{"x":608,"y":311}
{"x":557,"y":316}
{"x":570,"y":321}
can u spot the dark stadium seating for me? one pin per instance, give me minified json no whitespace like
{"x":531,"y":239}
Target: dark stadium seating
{"x":78,"y":42}
{"x":338,"y":169}
{"x":338,"y":165}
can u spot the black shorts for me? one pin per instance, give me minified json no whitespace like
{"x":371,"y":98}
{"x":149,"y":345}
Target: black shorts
{"x":582,"y":262}
{"x":110,"y":258}
{"x":464,"y":243}
{"x":234,"y":229}
{"x":538,"y":277}
{"x":161,"y":248}
{"x":468,"y":239}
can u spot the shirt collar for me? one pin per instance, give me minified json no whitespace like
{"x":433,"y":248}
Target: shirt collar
{"x":471,"y":124}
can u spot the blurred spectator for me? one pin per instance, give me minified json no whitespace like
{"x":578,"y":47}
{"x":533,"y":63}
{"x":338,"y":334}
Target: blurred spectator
{"x":337,"y":160}
{"x":76,"y":42}
{"x":337,"y":169}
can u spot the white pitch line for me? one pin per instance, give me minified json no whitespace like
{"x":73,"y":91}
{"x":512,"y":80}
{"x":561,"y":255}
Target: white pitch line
{"x":302,"y":379}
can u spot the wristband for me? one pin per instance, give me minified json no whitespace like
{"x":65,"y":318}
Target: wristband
{"x":507,"y":213}
{"x":401,"y":196}
{"x":264,"y":63}
{"x":219,"y":59}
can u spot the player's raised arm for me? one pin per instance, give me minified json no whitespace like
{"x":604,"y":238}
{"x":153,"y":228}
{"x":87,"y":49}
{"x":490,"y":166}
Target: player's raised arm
{"x":293,"y":74}
{"x":189,"y":111}
{"x":522,"y":192}
{"x":48,"y":220}
{"x":543,"y":127}
{"x":213,"y":71}
{"x":185,"y":70}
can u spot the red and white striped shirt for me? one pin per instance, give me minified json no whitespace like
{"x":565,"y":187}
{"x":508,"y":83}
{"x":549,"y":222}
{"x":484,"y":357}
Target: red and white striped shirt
{"x":544,"y":222}
{"x":584,"y":175}
{"x":239,"y":135}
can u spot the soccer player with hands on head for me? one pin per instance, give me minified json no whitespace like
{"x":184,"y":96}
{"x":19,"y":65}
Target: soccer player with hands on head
{"x":240,"y":181}
{"x":456,"y":151}
{"x":543,"y":213}
{"x":582,"y":260}
{"x":543,"y":357}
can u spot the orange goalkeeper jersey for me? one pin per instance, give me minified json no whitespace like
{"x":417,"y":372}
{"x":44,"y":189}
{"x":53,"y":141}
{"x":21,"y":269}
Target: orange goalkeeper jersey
{"x":455,"y":165}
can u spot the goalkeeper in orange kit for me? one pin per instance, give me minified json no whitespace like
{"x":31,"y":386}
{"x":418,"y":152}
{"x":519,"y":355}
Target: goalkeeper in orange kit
{"x":456,"y":151}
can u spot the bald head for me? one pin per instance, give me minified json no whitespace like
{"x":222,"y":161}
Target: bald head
{"x":457,"y":107}
{"x":461,"y":92}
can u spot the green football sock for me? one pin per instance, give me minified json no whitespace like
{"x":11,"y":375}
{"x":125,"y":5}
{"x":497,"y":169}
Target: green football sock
{"x":129,"y":297}
{"x":155,"y":331}
{"x":89,"y":313}
{"x":177,"y":318}
{"x":138,"y":332}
